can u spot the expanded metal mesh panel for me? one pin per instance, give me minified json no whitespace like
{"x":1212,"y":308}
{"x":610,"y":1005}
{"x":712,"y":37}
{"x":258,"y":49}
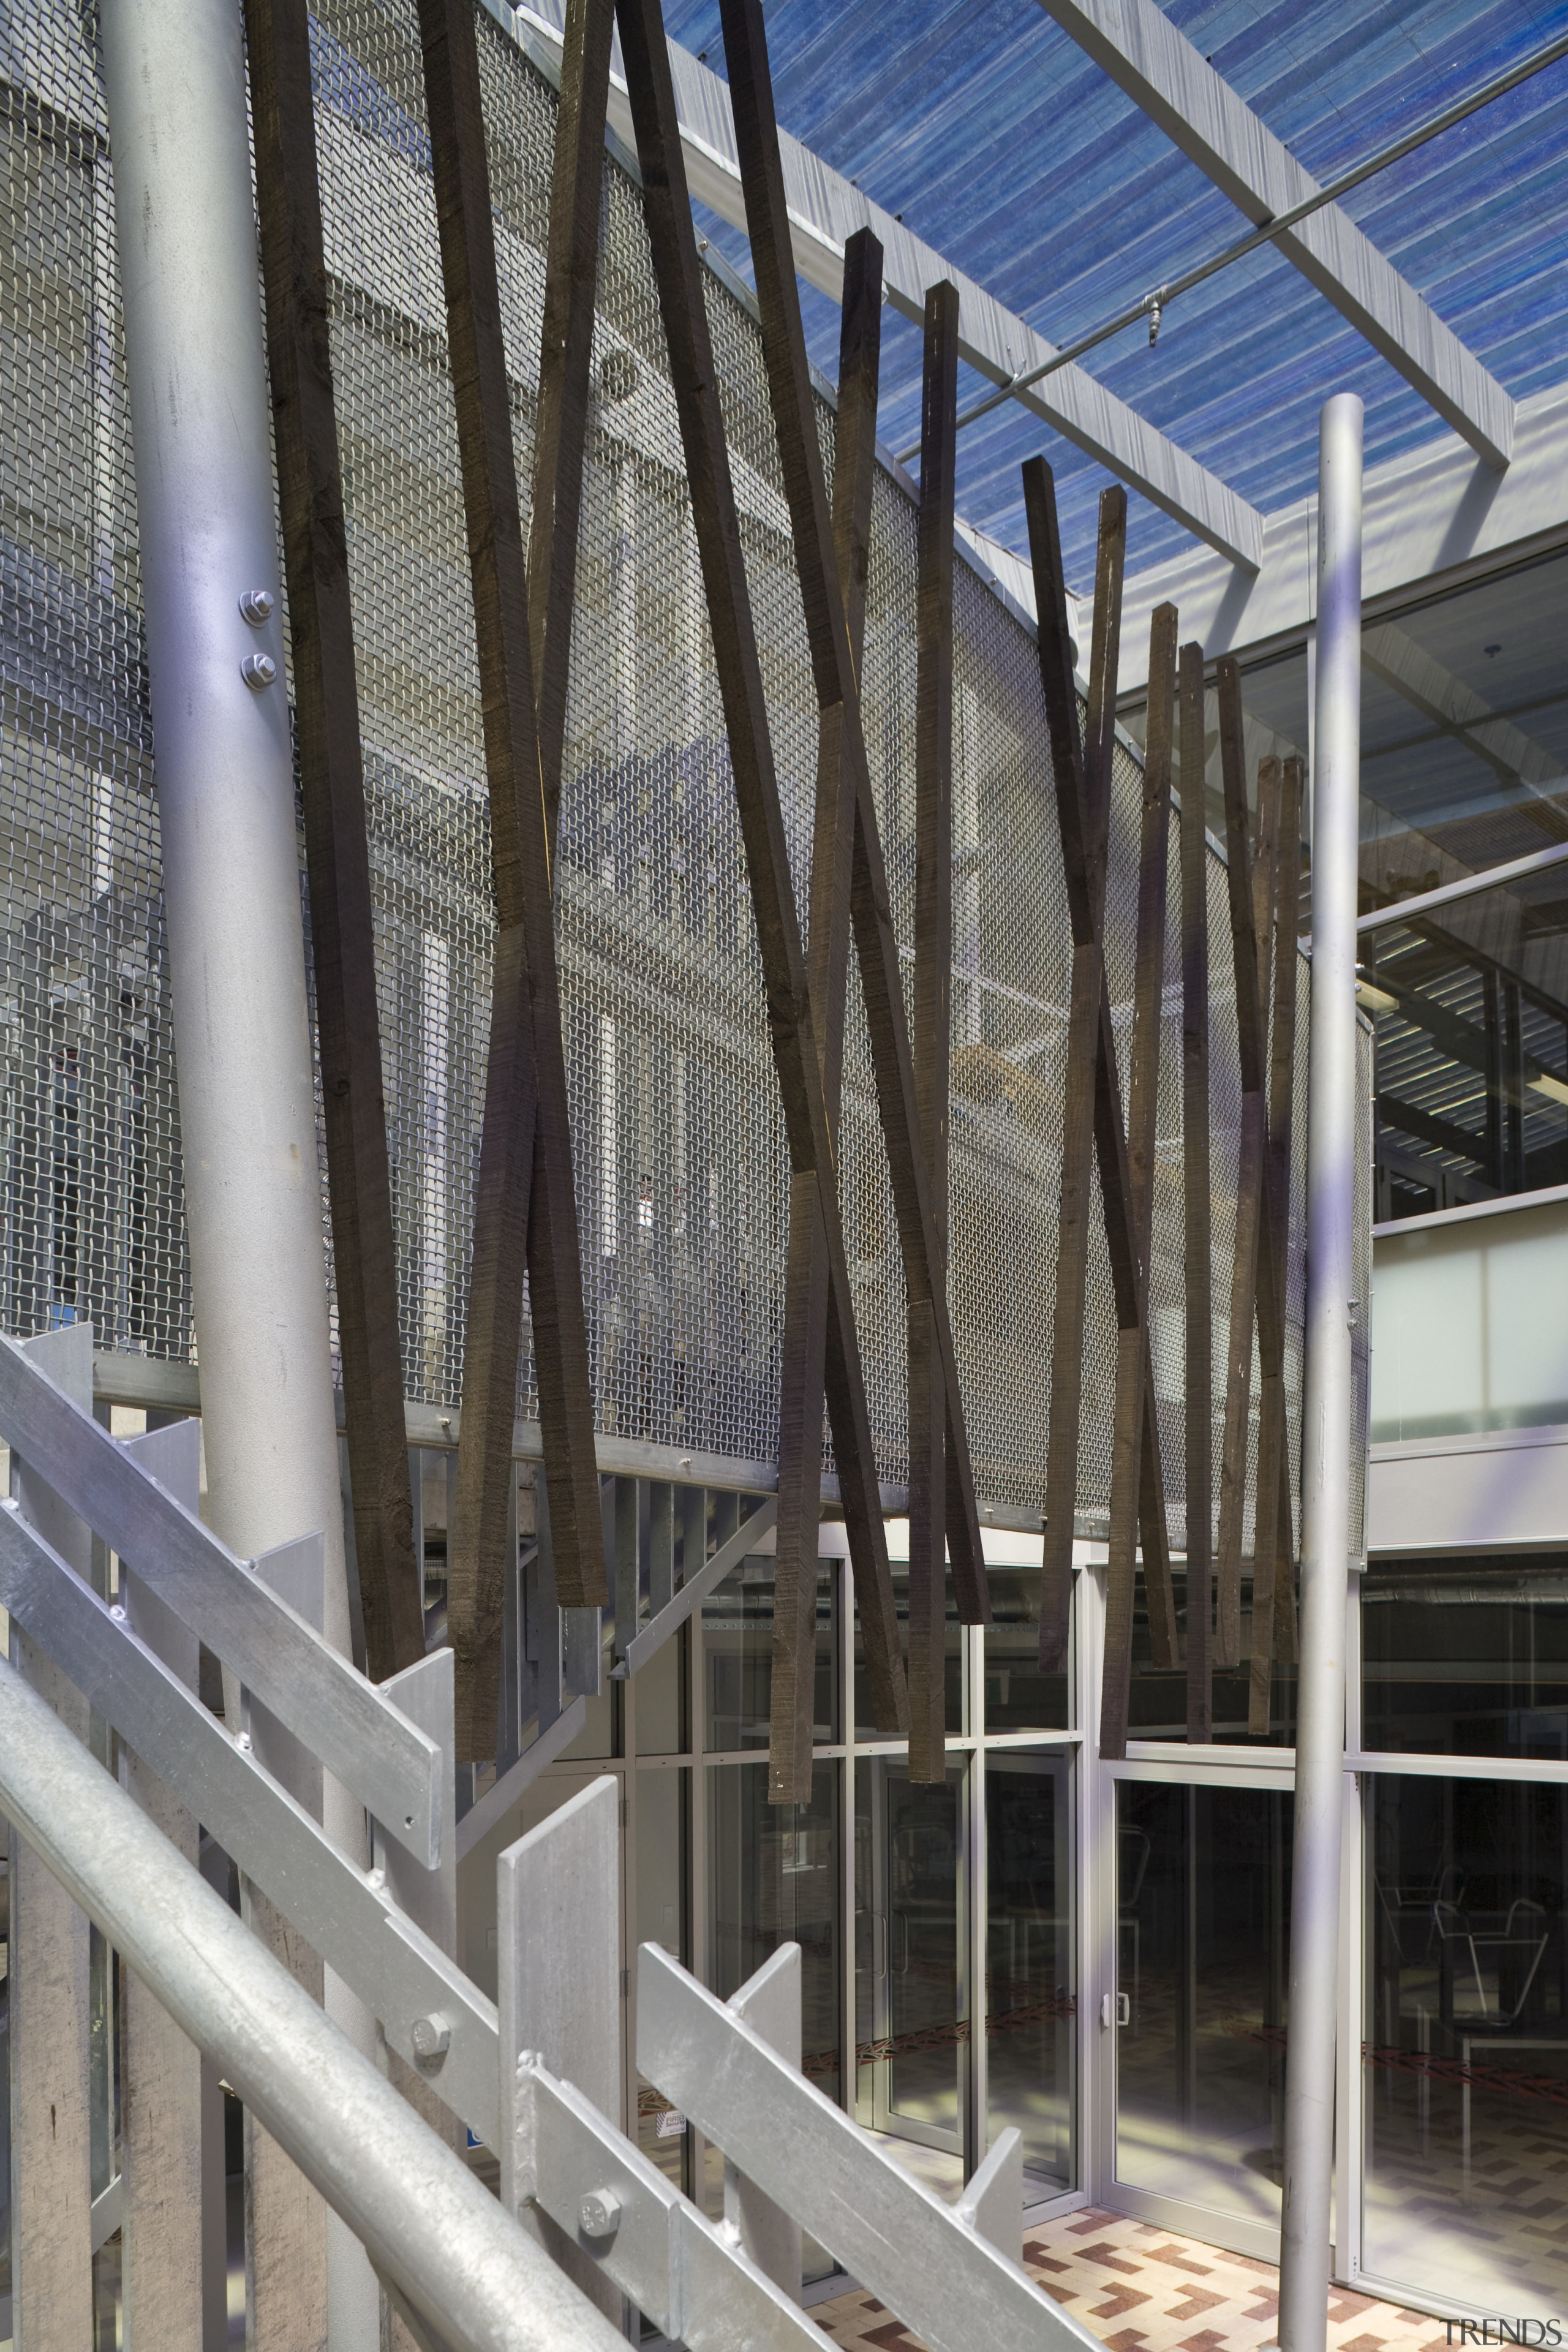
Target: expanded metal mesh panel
{"x":91,"y":1194}
{"x":680,"y":1162}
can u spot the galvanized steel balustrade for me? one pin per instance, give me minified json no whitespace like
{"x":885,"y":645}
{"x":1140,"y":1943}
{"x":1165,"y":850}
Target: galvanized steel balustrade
{"x":529,"y":2079}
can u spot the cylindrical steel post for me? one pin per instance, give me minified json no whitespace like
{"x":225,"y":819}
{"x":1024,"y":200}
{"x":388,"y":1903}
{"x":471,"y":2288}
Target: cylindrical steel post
{"x":174,"y":80}
{"x":1327,"y":1405}
{"x":430,"y":2224}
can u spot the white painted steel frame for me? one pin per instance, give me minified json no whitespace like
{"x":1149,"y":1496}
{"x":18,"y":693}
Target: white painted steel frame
{"x":1146,"y":54}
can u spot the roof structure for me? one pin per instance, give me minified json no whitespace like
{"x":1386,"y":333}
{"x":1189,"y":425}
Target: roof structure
{"x":985,"y":130}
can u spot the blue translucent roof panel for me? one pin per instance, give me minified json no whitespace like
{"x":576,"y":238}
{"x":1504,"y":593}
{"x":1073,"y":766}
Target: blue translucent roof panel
{"x":1008,"y":151}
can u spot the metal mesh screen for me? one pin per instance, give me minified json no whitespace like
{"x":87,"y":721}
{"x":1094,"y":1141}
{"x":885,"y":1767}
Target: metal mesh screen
{"x":680,"y":1148}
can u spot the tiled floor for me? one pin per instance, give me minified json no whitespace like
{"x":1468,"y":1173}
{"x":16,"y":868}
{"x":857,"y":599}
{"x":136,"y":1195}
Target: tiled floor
{"x":1138,"y":2289}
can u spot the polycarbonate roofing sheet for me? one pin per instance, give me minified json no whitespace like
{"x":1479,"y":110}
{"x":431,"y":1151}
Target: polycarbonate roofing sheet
{"x":1003,"y":146}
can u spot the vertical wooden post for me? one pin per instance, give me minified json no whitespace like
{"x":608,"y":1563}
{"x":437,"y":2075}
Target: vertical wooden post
{"x":1273,"y":1629}
{"x":1251,"y":1174}
{"x":1082,"y":793}
{"x":526,"y":1107}
{"x":930,"y":1026}
{"x":792,"y":1023}
{"x":337,"y":855}
{"x":807,"y":1334}
{"x":1132,"y":1396}
{"x":1086,"y":884}
{"x":51,"y":2181}
{"x":1198,"y":1208}
{"x":833,"y":668}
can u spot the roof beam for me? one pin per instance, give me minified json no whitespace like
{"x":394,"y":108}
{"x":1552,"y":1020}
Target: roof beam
{"x":1137,"y":45}
{"x":825,"y":211}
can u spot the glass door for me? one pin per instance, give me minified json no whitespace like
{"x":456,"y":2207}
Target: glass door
{"x":1031,"y":2001}
{"x":909,"y":1974}
{"x":1198,"y":2015}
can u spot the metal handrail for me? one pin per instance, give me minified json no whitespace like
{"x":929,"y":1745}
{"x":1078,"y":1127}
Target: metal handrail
{"x":429,"y":2226}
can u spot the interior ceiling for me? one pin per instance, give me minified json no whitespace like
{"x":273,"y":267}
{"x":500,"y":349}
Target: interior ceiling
{"x":1007,"y":150}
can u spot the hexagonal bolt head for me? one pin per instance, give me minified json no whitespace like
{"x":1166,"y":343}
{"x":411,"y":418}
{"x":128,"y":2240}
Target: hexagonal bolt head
{"x":599,"y":2213}
{"x":255,"y":606}
{"x":259,"y":671}
{"x":432,"y":2038}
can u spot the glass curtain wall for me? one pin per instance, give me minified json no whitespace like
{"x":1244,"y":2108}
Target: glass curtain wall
{"x":1464,"y":767}
{"x":1464,"y":2082}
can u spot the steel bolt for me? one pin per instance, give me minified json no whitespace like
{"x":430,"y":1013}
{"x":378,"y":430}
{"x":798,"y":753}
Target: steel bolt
{"x":432,"y":2038}
{"x":116,"y":1611}
{"x":256,"y":606}
{"x":599,"y":2214}
{"x":259,"y":671}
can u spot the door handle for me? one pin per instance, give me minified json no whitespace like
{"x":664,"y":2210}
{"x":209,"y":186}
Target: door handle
{"x":1121,"y":2015}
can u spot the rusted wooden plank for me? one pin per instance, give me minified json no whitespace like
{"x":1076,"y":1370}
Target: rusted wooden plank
{"x":666,"y":208}
{"x":525,"y":1096}
{"x":337,"y":858}
{"x":1133,"y":1393}
{"x":1273,"y":1627}
{"x":803,"y":1368}
{"x":1197,"y":1203}
{"x":930,"y":1025}
{"x":794,"y":419}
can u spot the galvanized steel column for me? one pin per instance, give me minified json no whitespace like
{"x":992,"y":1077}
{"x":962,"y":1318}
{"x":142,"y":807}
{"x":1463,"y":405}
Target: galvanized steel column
{"x":1327,"y":1405}
{"x":174,"y":74}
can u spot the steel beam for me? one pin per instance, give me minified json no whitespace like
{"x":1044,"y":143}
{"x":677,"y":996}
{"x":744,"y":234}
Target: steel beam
{"x":1137,"y":44}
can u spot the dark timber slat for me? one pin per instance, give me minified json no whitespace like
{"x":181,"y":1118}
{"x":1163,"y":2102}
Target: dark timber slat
{"x":343,"y":937}
{"x":930,"y":1024}
{"x":566,"y":345}
{"x":1199,"y":1207}
{"x":1082,"y":788}
{"x":1273,"y":1625}
{"x":1270,"y":1356}
{"x":1143,"y":1107}
{"x":803,"y":1367}
{"x":515,"y":1220}
{"x":794,"y":419}
{"x":1076,"y":775}
{"x":693,"y":376}
{"x":1250,"y":1170}
{"x":1287,"y":979}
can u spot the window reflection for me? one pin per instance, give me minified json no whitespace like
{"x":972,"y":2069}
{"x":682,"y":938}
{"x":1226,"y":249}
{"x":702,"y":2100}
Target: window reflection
{"x":1158,"y":1703}
{"x":1465,"y":1658}
{"x":1466,"y":2083}
{"x":1202,"y":1938}
{"x":1018,"y":1696}
{"x":1030,"y":1989}
{"x":738,"y":1645}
